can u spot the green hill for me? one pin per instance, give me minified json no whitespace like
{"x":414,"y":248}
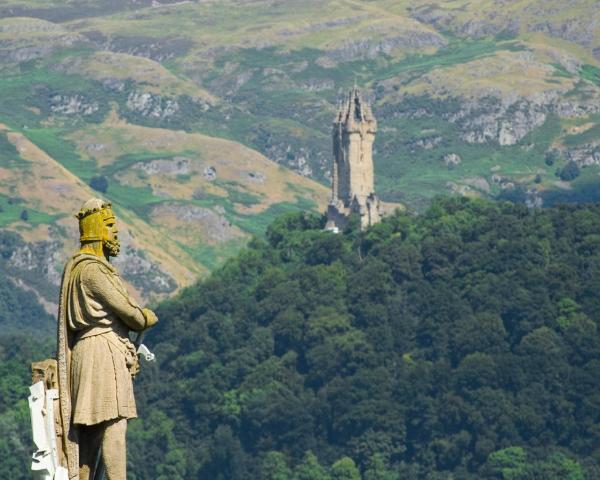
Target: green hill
{"x":463,"y":342}
{"x":460,"y":343}
{"x":202,"y":121}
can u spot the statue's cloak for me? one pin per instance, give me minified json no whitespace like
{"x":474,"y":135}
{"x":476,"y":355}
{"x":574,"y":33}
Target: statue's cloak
{"x":65,"y":341}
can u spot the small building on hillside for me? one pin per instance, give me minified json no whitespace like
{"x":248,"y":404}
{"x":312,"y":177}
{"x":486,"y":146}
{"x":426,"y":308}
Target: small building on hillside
{"x":353,"y":186}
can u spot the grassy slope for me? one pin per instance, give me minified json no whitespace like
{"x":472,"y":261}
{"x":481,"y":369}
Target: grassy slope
{"x":267,"y":76}
{"x":46,"y":167}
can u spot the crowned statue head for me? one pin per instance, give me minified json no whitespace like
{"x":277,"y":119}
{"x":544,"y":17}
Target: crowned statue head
{"x":98,"y":228}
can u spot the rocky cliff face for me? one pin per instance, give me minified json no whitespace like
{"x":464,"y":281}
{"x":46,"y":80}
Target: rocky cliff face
{"x":205,"y":120}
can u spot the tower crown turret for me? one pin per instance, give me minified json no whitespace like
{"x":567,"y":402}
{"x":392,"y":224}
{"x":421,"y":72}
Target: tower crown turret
{"x":355,"y":114}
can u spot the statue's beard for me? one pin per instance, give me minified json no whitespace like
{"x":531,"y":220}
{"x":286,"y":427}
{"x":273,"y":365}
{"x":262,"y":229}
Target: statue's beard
{"x":112,"y":247}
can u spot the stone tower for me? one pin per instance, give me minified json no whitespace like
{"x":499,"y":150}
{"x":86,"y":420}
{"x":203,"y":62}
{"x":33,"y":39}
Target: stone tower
{"x":353,"y":188}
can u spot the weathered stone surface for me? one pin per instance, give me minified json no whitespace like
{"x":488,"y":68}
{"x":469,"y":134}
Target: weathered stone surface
{"x":214,"y":224}
{"x":451,"y":160}
{"x":210,"y":173}
{"x":165,"y":166}
{"x":152,"y":105}
{"x":503,"y":122}
{"x":353,"y":182}
{"x":137,"y":268}
{"x":588,"y":154}
{"x":158,"y":49}
{"x":95,"y":358}
{"x":367,"y":47}
{"x":73,"y":105}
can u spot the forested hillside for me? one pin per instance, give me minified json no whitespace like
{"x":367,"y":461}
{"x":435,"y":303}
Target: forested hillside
{"x":462,"y":343}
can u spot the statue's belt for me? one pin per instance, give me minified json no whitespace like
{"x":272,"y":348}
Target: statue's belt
{"x":121,"y":343}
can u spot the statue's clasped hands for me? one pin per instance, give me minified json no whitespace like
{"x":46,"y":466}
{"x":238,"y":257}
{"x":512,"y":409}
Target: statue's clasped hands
{"x":150,"y":316}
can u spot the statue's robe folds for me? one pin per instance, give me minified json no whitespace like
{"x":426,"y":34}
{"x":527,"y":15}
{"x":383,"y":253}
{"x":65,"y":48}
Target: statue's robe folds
{"x":94,"y":351}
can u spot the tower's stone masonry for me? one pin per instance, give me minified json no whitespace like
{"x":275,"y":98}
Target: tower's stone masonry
{"x":353,"y":188}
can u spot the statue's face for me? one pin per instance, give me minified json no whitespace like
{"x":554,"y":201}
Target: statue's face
{"x":110,"y":240}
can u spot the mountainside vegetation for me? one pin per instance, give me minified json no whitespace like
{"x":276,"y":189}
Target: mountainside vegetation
{"x":204,"y":121}
{"x":462,"y":343}
{"x":457,"y":339}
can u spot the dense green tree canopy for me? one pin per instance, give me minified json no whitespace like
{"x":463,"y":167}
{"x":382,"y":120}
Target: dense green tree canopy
{"x":460,"y":343}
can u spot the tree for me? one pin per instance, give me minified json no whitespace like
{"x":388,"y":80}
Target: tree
{"x":569,"y":172}
{"x":377,"y":470}
{"x":310,"y":469}
{"x":275,"y":467}
{"x":459,"y":343}
{"x":509,"y":463}
{"x":345,"y":469}
{"x":551,"y":157}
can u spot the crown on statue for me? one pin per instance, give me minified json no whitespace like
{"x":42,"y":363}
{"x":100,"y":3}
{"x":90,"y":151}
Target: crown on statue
{"x":93,"y":216}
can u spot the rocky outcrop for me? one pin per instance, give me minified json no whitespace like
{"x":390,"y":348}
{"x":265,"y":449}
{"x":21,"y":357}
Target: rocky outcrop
{"x":505,"y":121}
{"x":315,"y":27}
{"x":318,"y":84}
{"x":502,"y":122}
{"x":159,"y":49}
{"x":298,"y":159}
{"x":577,"y":30}
{"x":491,"y":21}
{"x":39,"y":265}
{"x":165,"y":166}
{"x":448,"y":20}
{"x":144,"y":274}
{"x":113,"y":84}
{"x":483,"y":28}
{"x":585,"y":102}
{"x":451,"y":160}
{"x":308,"y":159}
{"x":213,"y":224}
{"x":426,"y":143}
{"x":28,"y":39}
{"x":584,"y":155}
{"x":41,"y":257}
{"x":73,"y":105}
{"x":152,"y":105}
{"x":210,"y":173}
{"x":368,"y":47}
{"x":18,"y":52}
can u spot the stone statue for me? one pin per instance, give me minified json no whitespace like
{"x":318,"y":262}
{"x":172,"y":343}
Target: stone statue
{"x":96,"y":358}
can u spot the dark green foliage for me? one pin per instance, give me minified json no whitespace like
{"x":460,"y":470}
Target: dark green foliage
{"x":19,"y":308}
{"x":551,"y":157}
{"x":569,"y":172}
{"x":460,"y":342}
{"x":16,"y":446}
{"x":99,"y":183}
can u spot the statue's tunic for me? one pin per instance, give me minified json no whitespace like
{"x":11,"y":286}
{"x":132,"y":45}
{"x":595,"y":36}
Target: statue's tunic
{"x":99,"y":315}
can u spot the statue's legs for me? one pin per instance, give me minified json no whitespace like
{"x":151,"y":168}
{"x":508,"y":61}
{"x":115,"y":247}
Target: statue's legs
{"x":90,"y":440}
{"x":114,"y":451}
{"x":110,"y":436}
